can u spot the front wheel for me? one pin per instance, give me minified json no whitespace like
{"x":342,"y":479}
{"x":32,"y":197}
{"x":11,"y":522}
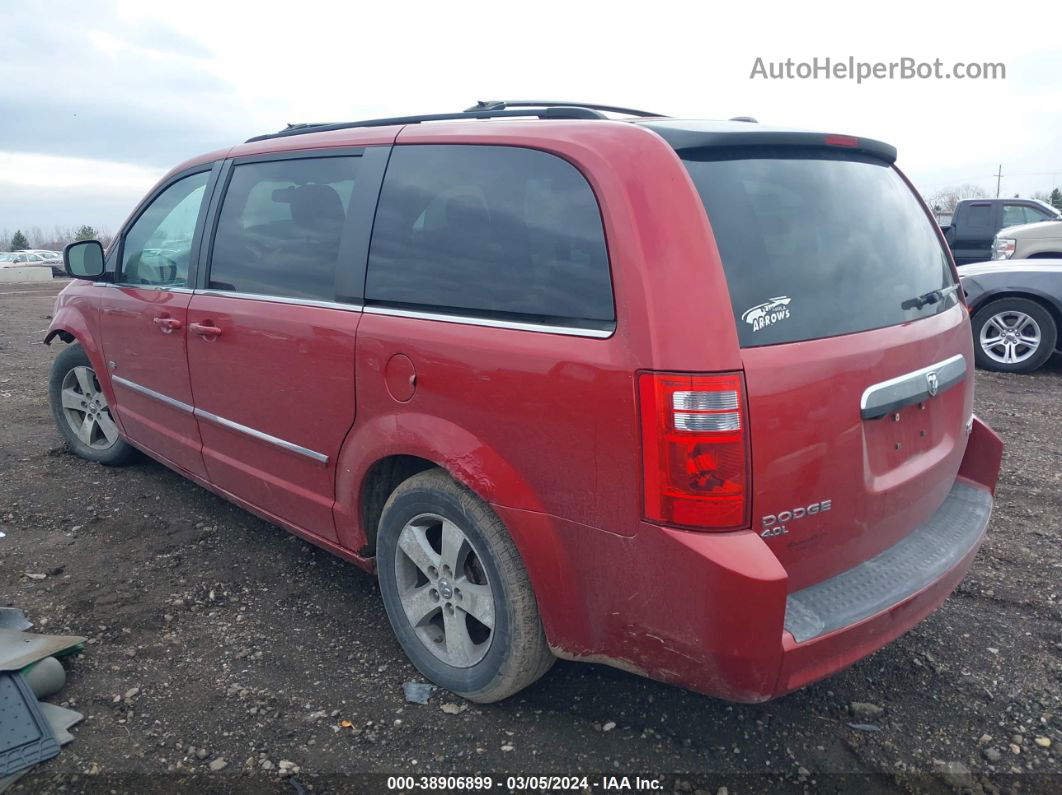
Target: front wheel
{"x":456,"y":591}
{"x":1013,"y":335}
{"x":81,"y":410}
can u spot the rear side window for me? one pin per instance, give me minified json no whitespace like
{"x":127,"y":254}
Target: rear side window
{"x":979,"y":219}
{"x":281,"y":228}
{"x":489,"y":231}
{"x":816,"y":244}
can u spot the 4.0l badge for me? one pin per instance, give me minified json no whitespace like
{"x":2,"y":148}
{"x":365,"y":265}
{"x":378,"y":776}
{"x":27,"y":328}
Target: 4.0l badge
{"x":774,"y":524}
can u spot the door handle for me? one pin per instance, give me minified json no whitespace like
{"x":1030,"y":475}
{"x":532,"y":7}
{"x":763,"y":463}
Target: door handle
{"x":167,"y":324}
{"x":205,"y":330}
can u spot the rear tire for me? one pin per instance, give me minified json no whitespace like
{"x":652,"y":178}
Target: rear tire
{"x":1013,"y":335}
{"x":456,"y":591}
{"x":81,"y":411}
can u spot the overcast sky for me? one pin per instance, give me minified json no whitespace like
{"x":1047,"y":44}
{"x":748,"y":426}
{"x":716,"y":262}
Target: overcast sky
{"x":99,"y":99}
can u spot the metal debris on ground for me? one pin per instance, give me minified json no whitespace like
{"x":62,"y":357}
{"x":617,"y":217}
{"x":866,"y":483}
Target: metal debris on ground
{"x":14,"y":619}
{"x":864,"y":727}
{"x":19,"y":649}
{"x":417,"y":692}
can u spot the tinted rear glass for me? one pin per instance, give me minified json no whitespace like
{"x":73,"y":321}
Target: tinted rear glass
{"x":817,"y":244}
{"x":492,"y":231}
{"x":979,"y":219}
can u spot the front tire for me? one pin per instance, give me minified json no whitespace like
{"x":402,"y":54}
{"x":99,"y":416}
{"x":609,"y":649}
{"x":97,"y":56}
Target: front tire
{"x":81,"y":411}
{"x":1013,"y":335}
{"x":456,"y":591}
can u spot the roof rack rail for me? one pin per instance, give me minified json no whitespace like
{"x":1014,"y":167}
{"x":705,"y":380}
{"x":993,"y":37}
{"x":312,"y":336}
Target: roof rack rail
{"x":502,"y":104}
{"x":494,"y":109}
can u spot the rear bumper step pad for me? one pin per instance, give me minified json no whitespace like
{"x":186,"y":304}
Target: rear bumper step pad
{"x":900,"y":571}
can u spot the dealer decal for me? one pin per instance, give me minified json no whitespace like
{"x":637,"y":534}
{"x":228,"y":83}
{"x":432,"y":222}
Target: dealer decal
{"x":768,"y":313}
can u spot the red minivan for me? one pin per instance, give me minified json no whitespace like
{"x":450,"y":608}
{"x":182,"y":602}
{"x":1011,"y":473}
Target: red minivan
{"x":693,"y":399}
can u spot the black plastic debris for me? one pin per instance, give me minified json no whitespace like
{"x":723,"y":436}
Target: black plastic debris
{"x":26,"y":737}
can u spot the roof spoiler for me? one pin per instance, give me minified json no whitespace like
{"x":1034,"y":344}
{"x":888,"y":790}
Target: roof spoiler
{"x":686,"y":139}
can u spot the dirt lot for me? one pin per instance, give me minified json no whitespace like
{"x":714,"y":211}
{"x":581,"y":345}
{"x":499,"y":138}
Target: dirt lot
{"x":215,"y":636}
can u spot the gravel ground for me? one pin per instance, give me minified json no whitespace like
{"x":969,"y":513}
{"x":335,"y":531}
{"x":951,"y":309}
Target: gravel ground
{"x":224,"y":655}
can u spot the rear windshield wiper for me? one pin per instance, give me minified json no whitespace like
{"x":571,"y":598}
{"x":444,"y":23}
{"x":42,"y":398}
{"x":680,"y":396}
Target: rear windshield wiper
{"x":932,"y":297}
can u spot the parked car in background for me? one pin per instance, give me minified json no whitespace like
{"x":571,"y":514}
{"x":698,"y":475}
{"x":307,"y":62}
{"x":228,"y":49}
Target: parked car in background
{"x":975,"y":222}
{"x":644,"y":392}
{"x":1017,"y":312}
{"x":51,"y":259}
{"x":1030,"y":241}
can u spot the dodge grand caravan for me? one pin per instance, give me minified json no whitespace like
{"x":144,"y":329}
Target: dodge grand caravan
{"x":693,"y":399}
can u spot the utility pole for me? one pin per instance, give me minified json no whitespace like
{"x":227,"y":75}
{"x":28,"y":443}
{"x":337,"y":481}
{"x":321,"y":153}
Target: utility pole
{"x":999,"y":176}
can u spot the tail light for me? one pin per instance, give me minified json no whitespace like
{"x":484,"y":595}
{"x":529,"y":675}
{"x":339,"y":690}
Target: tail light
{"x":695,"y":449}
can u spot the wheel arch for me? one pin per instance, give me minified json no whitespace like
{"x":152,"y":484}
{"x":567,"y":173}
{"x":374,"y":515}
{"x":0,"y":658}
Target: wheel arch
{"x":71,"y":325}
{"x":378,"y":484}
{"x":62,"y":334}
{"x":385,"y":450}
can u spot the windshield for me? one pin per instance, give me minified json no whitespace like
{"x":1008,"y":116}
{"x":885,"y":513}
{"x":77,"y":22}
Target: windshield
{"x":816,"y":243}
{"x":1054,"y":211}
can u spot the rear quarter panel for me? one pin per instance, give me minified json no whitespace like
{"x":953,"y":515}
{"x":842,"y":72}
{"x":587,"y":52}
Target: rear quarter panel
{"x":545,"y":422}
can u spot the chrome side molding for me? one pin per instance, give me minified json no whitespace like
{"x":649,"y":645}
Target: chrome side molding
{"x":151,"y":393}
{"x":283,"y":444}
{"x":278,"y":299}
{"x":515,"y":325}
{"x":886,"y":397}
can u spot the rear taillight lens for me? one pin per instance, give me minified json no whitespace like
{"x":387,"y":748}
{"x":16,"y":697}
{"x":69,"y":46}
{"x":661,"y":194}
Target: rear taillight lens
{"x":695,"y":449}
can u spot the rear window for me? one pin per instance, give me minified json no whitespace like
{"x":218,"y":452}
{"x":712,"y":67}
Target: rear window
{"x":817,"y":244}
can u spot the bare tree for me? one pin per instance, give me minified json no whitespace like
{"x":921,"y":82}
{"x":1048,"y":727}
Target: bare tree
{"x":945,"y":199}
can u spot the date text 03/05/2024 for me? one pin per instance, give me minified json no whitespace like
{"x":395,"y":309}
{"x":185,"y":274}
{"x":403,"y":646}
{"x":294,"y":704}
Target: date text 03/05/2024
{"x":525,"y":783}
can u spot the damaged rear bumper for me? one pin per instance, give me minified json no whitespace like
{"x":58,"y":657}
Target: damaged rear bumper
{"x":713,"y":612}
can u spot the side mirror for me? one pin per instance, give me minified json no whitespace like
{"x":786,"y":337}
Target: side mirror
{"x":84,"y":259}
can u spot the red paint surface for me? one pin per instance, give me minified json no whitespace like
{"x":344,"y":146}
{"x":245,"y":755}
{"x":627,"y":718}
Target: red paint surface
{"x":284,"y":370}
{"x":546,"y":427}
{"x":137,"y":348}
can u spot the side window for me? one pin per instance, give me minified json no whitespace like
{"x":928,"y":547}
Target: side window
{"x":489,"y":231}
{"x":158,"y":246}
{"x":281,"y":228}
{"x":1014,"y":214}
{"x":980,"y":219}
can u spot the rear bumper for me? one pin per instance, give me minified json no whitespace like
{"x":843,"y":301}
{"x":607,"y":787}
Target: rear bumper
{"x":833,"y":624}
{"x":712,"y":612}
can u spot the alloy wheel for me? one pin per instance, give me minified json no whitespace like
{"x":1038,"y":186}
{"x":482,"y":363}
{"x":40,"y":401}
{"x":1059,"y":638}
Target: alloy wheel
{"x":86,"y":410}
{"x":1010,"y":337}
{"x":444,"y":590}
